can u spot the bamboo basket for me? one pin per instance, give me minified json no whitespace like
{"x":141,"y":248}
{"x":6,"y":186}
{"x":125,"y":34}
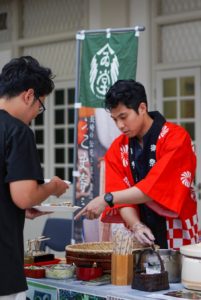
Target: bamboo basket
{"x":89,"y":253}
{"x":96,"y":252}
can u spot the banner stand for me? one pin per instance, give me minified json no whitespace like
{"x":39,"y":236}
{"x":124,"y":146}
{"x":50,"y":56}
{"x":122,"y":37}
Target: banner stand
{"x":80,"y":36}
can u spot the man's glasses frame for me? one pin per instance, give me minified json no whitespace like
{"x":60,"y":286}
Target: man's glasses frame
{"x":42,"y":107}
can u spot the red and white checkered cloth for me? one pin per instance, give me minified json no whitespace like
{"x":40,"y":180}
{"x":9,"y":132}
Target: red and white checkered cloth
{"x":182,"y":233}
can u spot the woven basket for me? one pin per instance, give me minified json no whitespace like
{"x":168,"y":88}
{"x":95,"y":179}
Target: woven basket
{"x":97,"y":247}
{"x":88,"y":253}
{"x":150,"y":282}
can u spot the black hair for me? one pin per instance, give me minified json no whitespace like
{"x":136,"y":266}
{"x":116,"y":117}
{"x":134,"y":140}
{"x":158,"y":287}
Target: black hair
{"x":128,"y":92}
{"x":23,"y":73}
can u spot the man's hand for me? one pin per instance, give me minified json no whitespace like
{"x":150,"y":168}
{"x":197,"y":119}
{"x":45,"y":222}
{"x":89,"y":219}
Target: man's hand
{"x":28,"y":193}
{"x":93,"y":209}
{"x":142,"y":234}
{"x":32,"y":213}
{"x":61,"y":186}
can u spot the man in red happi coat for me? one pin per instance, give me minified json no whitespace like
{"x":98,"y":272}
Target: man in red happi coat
{"x":150,"y":170}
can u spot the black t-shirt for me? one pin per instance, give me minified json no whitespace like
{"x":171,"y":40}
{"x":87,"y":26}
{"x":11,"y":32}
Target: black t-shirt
{"x":19,"y":160}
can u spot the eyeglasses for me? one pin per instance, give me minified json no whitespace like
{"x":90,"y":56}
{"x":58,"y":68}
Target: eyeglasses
{"x":42,"y":107}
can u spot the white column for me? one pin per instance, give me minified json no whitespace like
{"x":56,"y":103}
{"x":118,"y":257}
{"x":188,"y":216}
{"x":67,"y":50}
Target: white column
{"x":139,"y":14}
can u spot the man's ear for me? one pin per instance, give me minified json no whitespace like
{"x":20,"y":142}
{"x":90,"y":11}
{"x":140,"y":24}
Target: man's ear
{"x":28,"y":96}
{"x":142,"y":107}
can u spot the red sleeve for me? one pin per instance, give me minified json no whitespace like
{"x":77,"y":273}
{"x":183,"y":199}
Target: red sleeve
{"x":169,"y":181}
{"x":117,"y":176}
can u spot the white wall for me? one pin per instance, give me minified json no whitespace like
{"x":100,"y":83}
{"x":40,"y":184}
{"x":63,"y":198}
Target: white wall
{"x":5,"y":56}
{"x":94,"y":14}
{"x":108,"y":14}
{"x":139,"y":14}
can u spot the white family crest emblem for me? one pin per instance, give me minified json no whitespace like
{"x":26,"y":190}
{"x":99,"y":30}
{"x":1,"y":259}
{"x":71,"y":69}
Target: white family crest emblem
{"x":124,"y":155}
{"x":186,"y":178}
{"x":104,"y":71}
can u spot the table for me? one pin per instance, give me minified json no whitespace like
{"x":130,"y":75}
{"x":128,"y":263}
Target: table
{"x":50,"y":289}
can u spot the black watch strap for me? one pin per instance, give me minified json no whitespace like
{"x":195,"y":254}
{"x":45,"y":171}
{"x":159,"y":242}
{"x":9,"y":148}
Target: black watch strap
{"x":108,"y":197}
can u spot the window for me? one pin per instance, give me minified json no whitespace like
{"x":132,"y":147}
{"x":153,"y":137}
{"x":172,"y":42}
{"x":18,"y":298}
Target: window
{"x":54,"y":133}
{"x":178,"y":98}
{"x":3,"y":21}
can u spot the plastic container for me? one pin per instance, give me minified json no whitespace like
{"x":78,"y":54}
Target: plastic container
{"x":34,"y":272}
{"x":60,"y":271}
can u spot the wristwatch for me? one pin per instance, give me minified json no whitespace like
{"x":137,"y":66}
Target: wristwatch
{"x":108,"y":197}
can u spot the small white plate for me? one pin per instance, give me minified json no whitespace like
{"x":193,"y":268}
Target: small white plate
{"x":54,"y":208}
{"x":66,"y":181}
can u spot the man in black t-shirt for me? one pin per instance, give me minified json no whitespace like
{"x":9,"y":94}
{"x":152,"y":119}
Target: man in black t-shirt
{"x":24,"y":84}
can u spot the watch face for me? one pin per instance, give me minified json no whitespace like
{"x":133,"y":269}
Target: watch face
{"x":108,"y":197}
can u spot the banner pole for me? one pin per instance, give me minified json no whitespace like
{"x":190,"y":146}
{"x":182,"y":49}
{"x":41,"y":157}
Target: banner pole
{"x":136,"y":28}
{"x":75,"y":132}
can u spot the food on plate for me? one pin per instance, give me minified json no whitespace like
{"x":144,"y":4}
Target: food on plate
{"x":58,"y":206}
{"x":66,"y":203}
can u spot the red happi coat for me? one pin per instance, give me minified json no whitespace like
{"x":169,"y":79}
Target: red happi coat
{"x":168,"y":183}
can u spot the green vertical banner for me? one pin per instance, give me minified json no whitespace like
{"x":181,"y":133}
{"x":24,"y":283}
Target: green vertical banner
{"x":105,"y":58}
